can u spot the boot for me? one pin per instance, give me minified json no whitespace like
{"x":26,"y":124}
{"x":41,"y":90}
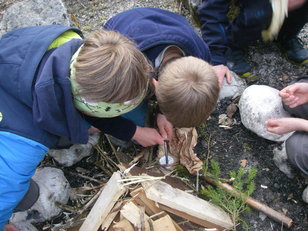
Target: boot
{"x":237,"y":63}
{"x":294,"y":49}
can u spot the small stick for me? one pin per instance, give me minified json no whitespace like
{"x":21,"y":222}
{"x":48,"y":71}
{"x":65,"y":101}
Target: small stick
{"x":279,"y":217}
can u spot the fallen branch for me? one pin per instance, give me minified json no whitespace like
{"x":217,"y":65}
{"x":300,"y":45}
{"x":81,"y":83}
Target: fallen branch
{"x":279,"y":217}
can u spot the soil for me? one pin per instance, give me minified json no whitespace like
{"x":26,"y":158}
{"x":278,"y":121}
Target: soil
{"x":228,"y":146}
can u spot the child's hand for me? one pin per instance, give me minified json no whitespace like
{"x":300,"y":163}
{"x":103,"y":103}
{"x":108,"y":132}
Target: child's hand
{"x":164,"y":126}
{"x":285,"y":125}
{"x":295,"y":94}
{"x":93,"y":130}
{"x":222,"y":71}
{"x":295,"y":4}
{"x":10,"y":227}
{"x":148,"y":137}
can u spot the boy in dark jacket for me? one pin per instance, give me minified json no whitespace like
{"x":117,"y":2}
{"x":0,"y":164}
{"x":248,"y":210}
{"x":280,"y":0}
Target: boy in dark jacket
{"x":52,"y":85}
{"x":224,"y":35}
{"x":187,"y":86}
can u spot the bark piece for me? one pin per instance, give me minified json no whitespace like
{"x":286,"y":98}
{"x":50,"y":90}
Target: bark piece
{"x":181,"y":149}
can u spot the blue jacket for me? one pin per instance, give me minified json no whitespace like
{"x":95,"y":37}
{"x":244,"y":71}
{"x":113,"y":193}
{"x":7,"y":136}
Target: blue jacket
{"x":220,"y":33}
{"x":152,"y":27}
{"x":35,"y":90}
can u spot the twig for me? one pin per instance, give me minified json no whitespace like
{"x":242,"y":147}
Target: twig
{"x":279,"y":217}
{"x":113,"y":149}
{"x":99,"y":149}
{"x":66,"y":207}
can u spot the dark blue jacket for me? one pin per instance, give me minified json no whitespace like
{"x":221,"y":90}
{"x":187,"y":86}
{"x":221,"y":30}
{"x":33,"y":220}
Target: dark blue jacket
{"x":220,"y":33}
{"x":152,"y":27}
{"x":35,"y":91}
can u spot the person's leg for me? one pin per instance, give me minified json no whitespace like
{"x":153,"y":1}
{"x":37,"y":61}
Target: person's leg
{"x":19,"y":158}
{"x":288,"y":41}
{"x":297,"y":150}
{"x":30,"y":197}
{"x":246,"y":28}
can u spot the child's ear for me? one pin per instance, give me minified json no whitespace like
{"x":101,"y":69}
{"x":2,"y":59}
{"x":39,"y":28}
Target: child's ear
{"x":154,"y":82}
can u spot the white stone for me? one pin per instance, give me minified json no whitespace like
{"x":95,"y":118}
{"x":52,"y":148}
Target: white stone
{"x":34,"y":13}
{"x":258,"y":104}
{"x":53,"y":188}
{"x":70,"y":156}
{"x":234,"y":89}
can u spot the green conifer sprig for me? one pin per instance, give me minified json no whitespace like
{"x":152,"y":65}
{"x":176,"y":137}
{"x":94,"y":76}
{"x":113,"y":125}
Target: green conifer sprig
{"x":241,"y":180}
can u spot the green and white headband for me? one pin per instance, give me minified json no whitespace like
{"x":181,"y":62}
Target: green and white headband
{"x":100,"y":109}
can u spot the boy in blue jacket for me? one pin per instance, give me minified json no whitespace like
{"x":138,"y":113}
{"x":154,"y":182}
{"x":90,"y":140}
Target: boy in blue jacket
{"x":54,"y":84}
{"x":230,"y":38}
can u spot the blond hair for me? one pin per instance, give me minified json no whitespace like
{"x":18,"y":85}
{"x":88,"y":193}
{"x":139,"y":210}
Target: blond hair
{"x":187,"y":91}
{"x":110,"y":68}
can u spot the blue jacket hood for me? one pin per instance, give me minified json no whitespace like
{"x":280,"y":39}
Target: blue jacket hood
{"x":150,"y":27}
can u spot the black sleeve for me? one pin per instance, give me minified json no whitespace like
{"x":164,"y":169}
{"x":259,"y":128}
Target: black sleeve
{"x":118,"y":127}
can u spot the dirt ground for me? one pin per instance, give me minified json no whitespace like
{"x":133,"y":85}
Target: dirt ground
{"x":228,"y":146}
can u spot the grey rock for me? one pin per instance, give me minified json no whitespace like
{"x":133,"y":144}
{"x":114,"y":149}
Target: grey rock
{"x":281,"y":161}
{"x":53,"y":188}
{"x":236,"y":88}
{"x":34,"y":13}
{"x":70,"y":156}
{"x":258,"y":104}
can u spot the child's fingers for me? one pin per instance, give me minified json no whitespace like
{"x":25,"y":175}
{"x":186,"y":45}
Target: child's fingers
{"x":229,"y":78}
{"x":163,"y":132}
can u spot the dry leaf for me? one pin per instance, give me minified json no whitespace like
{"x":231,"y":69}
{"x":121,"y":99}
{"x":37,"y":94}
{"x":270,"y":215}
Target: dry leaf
{"x":231,"y":109}
{"x":290,"y":196}
{"x":243,"y":163}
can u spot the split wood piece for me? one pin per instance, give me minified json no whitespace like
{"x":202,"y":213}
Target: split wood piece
{"x":136,"y":216}
{"x":187,"y":206}
{"x":163,"y":224}
{"x":279,"y":217}
{"x":181,"y":149}
{"x":113,"y":190}
{"x":123,"y":225}
{"x":151,"y":207}
{"x":112,"y":215}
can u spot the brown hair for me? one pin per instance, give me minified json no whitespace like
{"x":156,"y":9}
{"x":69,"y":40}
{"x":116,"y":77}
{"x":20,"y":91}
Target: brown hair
{"x":111,"y":68}
{"x":187,"y":91}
